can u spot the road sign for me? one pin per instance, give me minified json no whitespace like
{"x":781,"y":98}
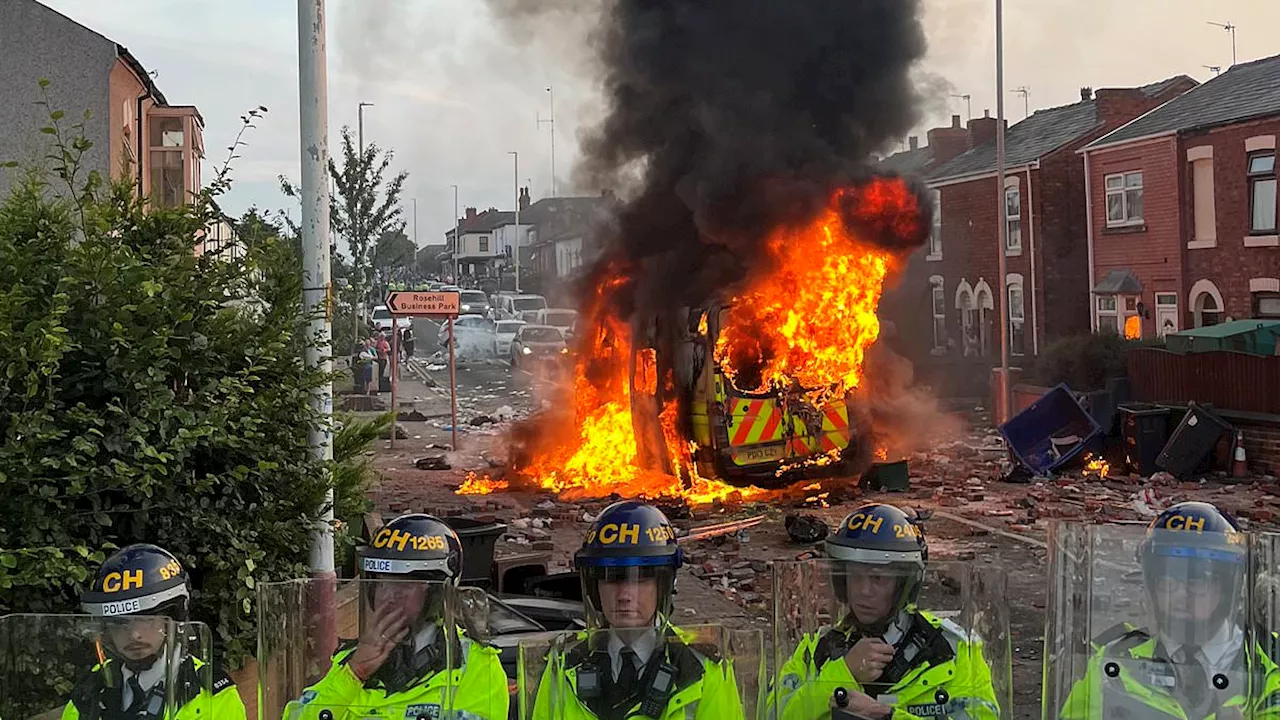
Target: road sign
{"x":411,"y":303}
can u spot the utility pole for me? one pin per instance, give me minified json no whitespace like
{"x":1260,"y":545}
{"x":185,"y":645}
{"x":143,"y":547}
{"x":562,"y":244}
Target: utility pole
{"x":515,"y":178}
{"x":316,"y":292}
{"x":1231,"y":29}
{"x":1025,"y":92}
{"x":552,"y":122}
{"x":415,"y":222}
{"x":1005,"y":409}
{"x":968,"y":104}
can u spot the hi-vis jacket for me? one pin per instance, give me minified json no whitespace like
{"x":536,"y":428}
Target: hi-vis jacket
{"x":478,"y":686}
{"x":100,"y":695}
{"x":952,"y":681}
{"x":705,"y":688}
{"x":1140,"y":686}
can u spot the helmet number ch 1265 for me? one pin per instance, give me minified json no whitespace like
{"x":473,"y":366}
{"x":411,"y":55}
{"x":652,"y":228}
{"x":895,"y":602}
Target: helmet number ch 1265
{"x":399,"y":540}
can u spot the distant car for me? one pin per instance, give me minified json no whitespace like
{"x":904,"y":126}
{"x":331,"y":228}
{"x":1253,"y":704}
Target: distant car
{"x":504,"y":332}
{"x":558,"y":317}
{"x":473,"y":302}
{"x":468,"y":328}
{"x":520,"y":307}
{"x":383,"y":319}
{"x":534,"y":343}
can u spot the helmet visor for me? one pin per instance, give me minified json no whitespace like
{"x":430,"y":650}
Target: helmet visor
{"x":628,"y":597}
{"x":874,"y":593}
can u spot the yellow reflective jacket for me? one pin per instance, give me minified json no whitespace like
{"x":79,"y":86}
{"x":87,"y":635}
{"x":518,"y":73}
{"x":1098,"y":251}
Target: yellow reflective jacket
{"x":1099,"y":694}
{"x":94,"y":696}
{"x":478,"y":687}
{"x":956,"y":684}
{"x":706,"y":687}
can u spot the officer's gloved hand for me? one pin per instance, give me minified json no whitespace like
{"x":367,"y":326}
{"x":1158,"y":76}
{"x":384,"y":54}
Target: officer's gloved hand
{"x":868,"y":658}
{"x":380,"y":637}
{"x":861,"y":705}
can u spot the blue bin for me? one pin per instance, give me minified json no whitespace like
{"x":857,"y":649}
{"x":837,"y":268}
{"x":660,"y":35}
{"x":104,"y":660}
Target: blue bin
{"x":1057,"y":415}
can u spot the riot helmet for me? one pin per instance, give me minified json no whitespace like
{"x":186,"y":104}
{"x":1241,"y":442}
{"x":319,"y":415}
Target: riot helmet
{"x":412,"y":547}
{"x":878,"y":557}
{"x":1194,"y":561}
{"x":136,"y":592}
{"x":628,"y":545}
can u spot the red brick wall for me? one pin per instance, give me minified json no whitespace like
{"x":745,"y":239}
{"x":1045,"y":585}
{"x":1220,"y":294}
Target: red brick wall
{"x":1261,"y":445}
{"x":1062,"y":250}
{"x":1153,"y":251}
{"x":1230,"y":265}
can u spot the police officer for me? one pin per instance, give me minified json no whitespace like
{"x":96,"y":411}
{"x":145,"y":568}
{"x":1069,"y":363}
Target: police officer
{"x":893,"y":658}
{"x":638,"y":664}
{"x":137,"y":592}
{"x":407,"y":654}
{"x":1191,"y":662}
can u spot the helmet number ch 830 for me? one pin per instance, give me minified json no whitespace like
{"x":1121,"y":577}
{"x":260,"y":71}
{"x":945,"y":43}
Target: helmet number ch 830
{"x":399,"y":540}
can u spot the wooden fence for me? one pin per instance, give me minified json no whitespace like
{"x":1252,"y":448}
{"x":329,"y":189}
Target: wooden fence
{"x":1228,"y":380}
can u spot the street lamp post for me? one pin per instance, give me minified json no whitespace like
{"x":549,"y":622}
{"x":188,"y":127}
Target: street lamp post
{"x":357,"y":264}
{"x":457,"y":237}
{"x":1005,"y":409}
{"x":515,"y":178}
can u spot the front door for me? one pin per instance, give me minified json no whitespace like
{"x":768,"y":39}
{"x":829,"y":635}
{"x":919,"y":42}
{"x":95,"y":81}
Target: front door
{"x":1166,"y":313}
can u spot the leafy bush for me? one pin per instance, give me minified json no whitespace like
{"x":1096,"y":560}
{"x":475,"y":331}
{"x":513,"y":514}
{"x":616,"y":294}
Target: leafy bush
{"x":152,"y":395}
{"x":1085,"y":362}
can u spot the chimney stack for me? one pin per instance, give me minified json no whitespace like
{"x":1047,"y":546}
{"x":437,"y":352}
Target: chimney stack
{"x":913,"y":142}
{"x":1086,"y":94}
{"x":524,"y":198}
{"x":948,"y":142}
{"x":955,"y":121}
{"x":471,"y":213}
{"x":983,"y":130}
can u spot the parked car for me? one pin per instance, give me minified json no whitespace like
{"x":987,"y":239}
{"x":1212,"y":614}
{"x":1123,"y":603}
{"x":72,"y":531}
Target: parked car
{"x":536,"y":343}
{"x":562,"y":318}
{"x":383,"y":319}
{"x":468,"y":329}
{"x":473,"y":302}
{"x":520,"y":307}
{"x":504,"y":332}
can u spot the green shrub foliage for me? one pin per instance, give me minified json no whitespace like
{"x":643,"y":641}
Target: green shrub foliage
{"x":150,"y":394}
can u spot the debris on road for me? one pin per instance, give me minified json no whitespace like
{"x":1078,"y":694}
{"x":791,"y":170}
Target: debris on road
{"x":432,"y":462}
{"x":805,"y":529}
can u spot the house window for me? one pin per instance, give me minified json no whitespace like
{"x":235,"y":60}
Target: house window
{"x":935,"y":237}
{"x":167,"y":188}
{"x":1017,"y":320}
{"x":1124,"y":199}
{"x":166,"y":132}
{"x":1207,"y":310}
{"x":1013,"y":220}
{"x":1266,"y":305}
{"x":1262,"y":192}
{"x":939,"y":318}
{"x":1166,"y":313}
{"x":484,"y":243}
{"x":1108,"y":316}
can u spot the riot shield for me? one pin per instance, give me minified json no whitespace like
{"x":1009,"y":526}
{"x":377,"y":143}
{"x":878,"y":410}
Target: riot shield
{"x":404,"y":648}
{"x":932,"y":642}
{"x":535,"y":660}
{"x":1153,"y":624}
{"x":700,"y":671}
{"x":48,"y":662}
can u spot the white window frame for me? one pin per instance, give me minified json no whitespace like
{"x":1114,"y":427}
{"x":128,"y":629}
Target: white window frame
{"x":1018,"y":314}
{"x":1013,"y":223}
{"x":938,"y":311}
{"x":1107,"y":308}
{"x":934,"y":251}
{"x":1257,"y":181}
{"x":1128,"y":182}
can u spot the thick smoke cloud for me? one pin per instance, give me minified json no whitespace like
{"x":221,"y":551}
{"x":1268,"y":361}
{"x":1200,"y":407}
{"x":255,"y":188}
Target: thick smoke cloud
{"x":727,"y":118}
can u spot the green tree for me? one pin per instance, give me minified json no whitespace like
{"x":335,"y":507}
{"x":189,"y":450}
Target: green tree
{"x":365,"y":205}
{"x":393,"y":255}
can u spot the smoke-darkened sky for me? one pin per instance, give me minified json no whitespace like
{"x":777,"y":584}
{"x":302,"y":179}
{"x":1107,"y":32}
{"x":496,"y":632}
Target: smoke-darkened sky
{"x":454,"y":92}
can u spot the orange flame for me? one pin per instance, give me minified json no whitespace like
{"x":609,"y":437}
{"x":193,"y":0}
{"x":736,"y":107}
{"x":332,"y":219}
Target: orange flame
{"x":882,"y":454}
{"x":808,"y":318}
{"x":1096,"y":466}
{"x":477,"y":485}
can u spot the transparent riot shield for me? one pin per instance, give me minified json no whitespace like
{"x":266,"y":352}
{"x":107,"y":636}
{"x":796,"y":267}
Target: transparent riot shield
{"x":1153,"y":624}
{"x":700,"y":671}
{"x":535,"y":666}
{"x":49,"y":663}
{"x":852,"y":640}
{"x":398,"y":648}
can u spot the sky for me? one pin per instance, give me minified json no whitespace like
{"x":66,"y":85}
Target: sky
{"x":455,"y":92}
